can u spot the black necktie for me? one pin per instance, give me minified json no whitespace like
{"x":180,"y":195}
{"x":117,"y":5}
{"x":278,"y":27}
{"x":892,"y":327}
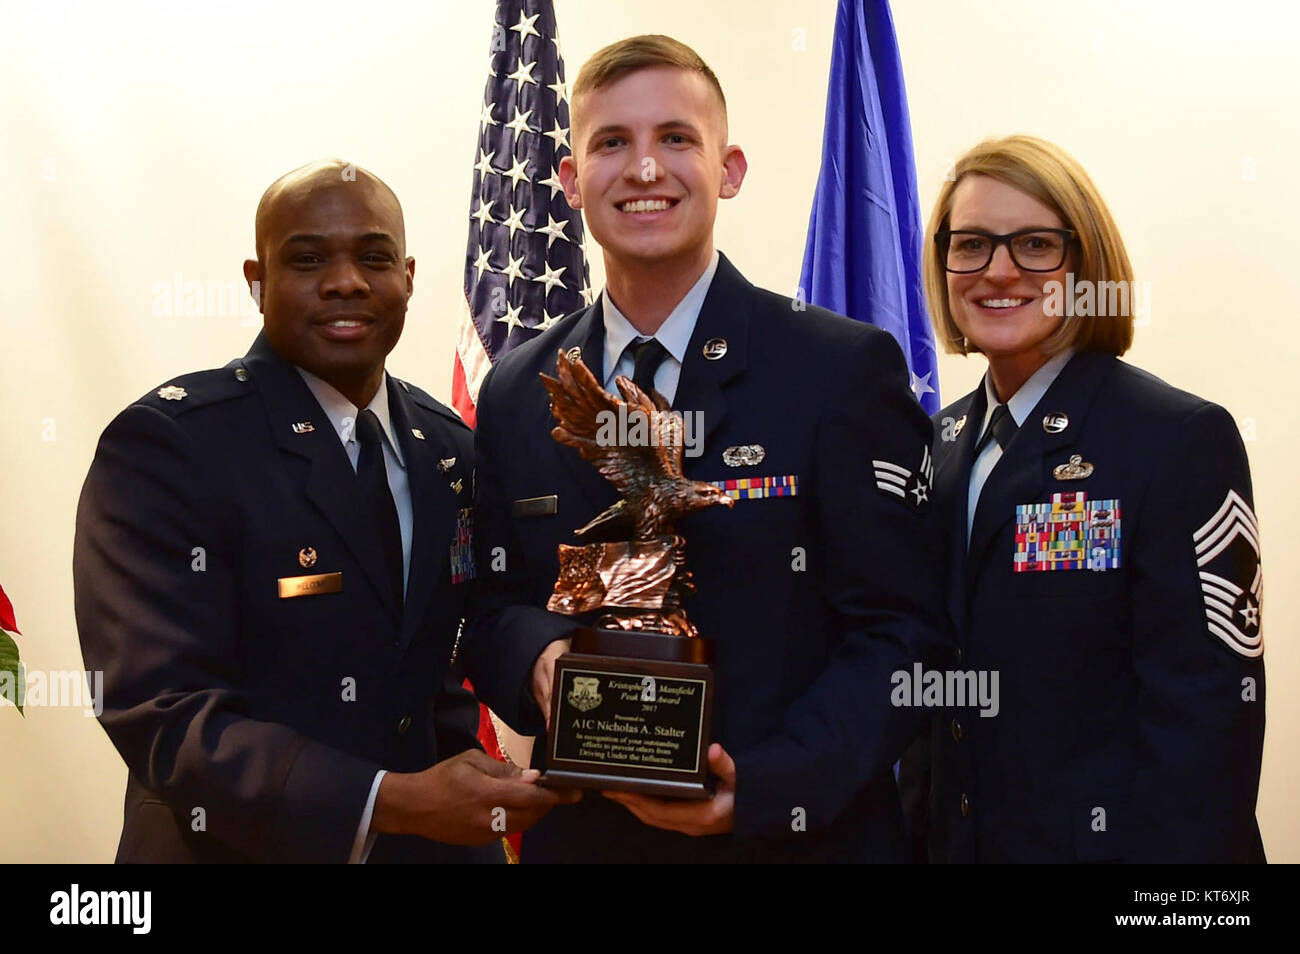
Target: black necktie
{"x":372,"y":481}
{"x":646,"y":357}
{"x":1002,"y":427}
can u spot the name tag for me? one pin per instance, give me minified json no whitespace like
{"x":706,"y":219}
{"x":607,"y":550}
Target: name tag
{"x":535,"y":506}
{"x":291,"y":586}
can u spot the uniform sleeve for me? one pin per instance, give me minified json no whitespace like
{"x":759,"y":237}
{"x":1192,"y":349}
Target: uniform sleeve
{"x":508,"y":631}
{"x":158,"y":603}
{"x":878,"y":560}
{"x":1198,"y":652}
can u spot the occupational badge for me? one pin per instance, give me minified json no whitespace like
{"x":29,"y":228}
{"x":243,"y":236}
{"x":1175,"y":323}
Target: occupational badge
{"x":1076,"y":469}
{"x":744,"y":455}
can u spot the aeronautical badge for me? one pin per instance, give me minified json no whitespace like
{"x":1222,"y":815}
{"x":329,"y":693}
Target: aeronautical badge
{"x":585,"y":694}
{"x":172,"y":393}
{"x":913,"y":489}
{"x":1070,"y":533}
{"x":462,"y":547}
{"x":1232,"y":579}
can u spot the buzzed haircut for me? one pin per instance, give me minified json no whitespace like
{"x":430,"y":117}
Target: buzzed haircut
{"x":617,"y":60}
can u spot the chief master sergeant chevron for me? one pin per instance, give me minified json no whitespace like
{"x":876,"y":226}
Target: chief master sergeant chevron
{"x":821,"y":581}
{"x":271,"y":564}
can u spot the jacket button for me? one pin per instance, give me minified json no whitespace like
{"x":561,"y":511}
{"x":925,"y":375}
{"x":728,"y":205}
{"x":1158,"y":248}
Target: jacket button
{"x":404,"y":725}
{"x":965,"y":805}
{"x":956,"y":731}
{"x":958,"y":654}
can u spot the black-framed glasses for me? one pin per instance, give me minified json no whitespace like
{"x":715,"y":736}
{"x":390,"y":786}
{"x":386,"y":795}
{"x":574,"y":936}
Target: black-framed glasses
{"x":1033,"y":250}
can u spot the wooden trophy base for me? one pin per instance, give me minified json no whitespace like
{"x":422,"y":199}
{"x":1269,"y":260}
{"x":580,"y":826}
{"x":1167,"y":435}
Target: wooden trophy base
{"x":630,"y":712}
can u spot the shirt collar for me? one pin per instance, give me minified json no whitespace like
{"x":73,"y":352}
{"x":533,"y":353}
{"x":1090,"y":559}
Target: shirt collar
{"x":1024,"y":401}
{"x":674,"y":334}
{"x":342,"y":413}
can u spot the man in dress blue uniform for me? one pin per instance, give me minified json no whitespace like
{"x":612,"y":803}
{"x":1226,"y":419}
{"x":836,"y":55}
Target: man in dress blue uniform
{"x":271,"y":564}
{"x":818,"y":584}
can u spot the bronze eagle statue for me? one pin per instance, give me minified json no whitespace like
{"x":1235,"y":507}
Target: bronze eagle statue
{"x":635,"y":442}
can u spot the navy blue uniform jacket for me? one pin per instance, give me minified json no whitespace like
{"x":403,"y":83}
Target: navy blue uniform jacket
{"x":1131,"y":710}
{"x":811,"y":601}
{"x":253,"y":725}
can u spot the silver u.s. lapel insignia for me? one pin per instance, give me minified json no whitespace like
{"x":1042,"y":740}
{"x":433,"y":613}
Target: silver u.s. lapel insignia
{"x":304,"y":427}
{"x":715,"y":348}
{"x":1056,"y":422}
{"x":574,"y":353}
{"x":744,"y":455}
{"x":417,"y":433}
{"x":1076,"y":469}
{"x":958,"y":425}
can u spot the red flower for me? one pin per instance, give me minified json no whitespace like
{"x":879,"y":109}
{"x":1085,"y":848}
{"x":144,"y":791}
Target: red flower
{"x":7,"y":613}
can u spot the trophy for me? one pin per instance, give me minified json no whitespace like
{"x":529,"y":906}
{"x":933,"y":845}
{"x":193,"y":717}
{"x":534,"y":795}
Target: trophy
{"x":632,"y":700}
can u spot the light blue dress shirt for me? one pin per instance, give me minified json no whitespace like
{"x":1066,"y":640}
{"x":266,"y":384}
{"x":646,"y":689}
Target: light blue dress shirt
{"x":1020,"y":406}
{"x":674,"y":334}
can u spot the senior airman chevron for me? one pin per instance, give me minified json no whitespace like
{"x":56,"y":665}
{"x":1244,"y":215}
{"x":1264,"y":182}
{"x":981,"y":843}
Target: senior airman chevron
{"x":1070,"y":533}
{"x":913,"y":489}
{"x":755,"y":488}
{"x":1232,"y":579}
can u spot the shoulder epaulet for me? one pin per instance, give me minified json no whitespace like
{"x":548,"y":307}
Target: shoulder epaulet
{"x":426,"y":401}
{"x":198,"y":389}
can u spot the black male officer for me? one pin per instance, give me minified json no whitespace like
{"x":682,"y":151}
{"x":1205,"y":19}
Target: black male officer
{"x":814,"y":588}
{"x":271,"y":564}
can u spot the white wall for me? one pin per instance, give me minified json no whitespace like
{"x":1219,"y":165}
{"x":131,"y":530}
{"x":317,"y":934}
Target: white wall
{"x":137,"y":139}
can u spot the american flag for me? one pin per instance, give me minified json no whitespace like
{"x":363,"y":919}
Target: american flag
{"x":525,"y":266}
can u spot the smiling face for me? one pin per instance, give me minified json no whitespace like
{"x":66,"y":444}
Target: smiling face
{"x":1001,"y":309}
{"x":650,"y":163}
{"x":334,"y":278}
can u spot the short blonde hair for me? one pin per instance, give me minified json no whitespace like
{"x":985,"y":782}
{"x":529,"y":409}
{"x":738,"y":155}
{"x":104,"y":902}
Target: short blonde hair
{"x":635,"y":53}
{"x":1053,"y":177}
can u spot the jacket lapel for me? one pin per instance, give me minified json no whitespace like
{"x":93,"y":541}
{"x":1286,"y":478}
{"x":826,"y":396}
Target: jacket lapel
{"x":1021,"y":475}
{"x":331,"y":481}
{"x":724,"y":316}
{"x":952,"y":467}
{"x":434,"y":505}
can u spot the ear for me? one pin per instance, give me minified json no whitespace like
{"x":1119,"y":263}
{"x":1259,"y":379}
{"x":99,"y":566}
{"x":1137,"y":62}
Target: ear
{"x":734,"y":167}
{"x":569,"y":179}
{"x":410,"y":275}
{"x":253,"y":275}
